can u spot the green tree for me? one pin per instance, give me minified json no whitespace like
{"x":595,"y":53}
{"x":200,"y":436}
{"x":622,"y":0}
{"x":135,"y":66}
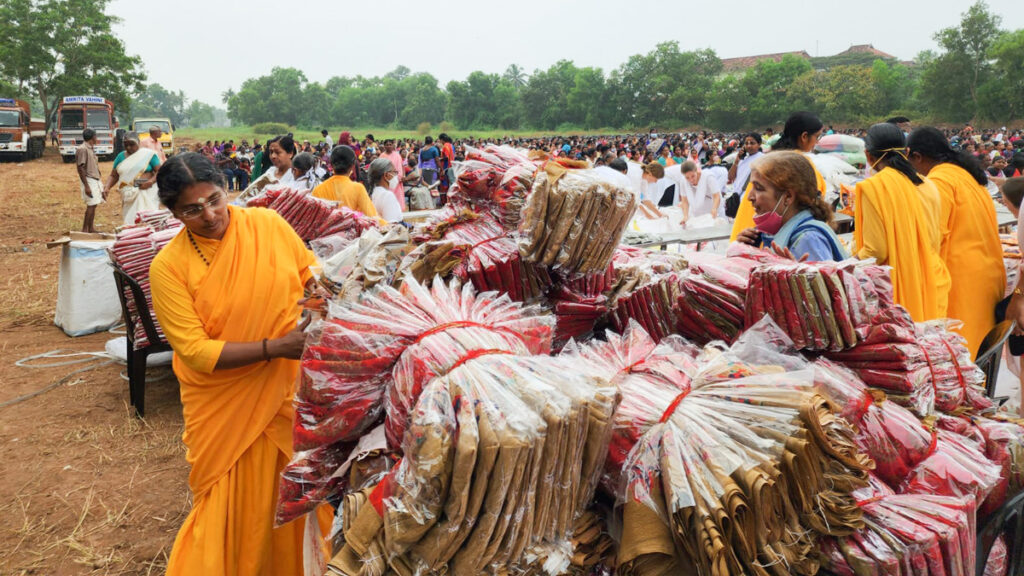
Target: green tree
{"x":546,"y":97}
{"x":515,"y":76}
{"x":56,"y":48}
{"x":587,"y":99}
{"x":156,"y":100}
{"x":848,"y":94}
{"x":277,"y":97}
{"x":199,"y":114}
{"x":727,"y":107}
{"x":1001,"y":97}
{"x":768,"y":84}
{"x":950,"y":82}
{"x":894,"y":84}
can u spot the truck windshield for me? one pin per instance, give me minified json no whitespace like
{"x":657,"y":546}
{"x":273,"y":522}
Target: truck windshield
{"x":9,"y":118}
{"x":72,"y":120}
{"x":143,"y":126}
{"x":98,"y":119}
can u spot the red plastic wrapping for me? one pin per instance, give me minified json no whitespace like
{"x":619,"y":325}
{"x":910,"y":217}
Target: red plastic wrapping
{"x":312,"y":217}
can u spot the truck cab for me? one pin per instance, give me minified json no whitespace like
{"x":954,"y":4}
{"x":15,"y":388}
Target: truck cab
{"x":76,"y":113}
{"x":141,"y":127}
{"x":21,"y":136}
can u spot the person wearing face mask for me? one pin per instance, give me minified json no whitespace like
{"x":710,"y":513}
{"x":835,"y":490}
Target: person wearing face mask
{"x":391,"y":154}
{"x":385,"y":178}
{"x":970,"y":244}
{"x":896,"y":222}
{"x":790,"y":216}
{"x":800,"y":134}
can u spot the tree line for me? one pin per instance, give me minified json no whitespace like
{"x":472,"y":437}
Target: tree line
{"x":54,"y":48}
{"x":978,"y":74}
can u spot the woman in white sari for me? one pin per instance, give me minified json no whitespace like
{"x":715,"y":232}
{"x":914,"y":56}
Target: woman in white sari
{"x":134,"y":175}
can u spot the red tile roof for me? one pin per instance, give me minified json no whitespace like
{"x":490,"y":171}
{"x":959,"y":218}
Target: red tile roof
{"x":865,"y":49}
{"x":742,"y":63}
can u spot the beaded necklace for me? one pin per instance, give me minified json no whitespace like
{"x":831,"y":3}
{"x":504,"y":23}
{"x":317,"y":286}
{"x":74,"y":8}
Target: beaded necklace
{"x":196,"y":246}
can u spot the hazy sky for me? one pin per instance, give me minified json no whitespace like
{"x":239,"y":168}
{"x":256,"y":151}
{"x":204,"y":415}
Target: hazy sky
{"x":206,"y":47}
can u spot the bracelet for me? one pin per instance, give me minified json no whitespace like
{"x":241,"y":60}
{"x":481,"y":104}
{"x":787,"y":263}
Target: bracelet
{"x":265,"y":355}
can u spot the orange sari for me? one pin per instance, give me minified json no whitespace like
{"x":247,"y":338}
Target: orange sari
{"x":237,"y":421}
{"x":897,"y":224}
{"x":971,"y":250}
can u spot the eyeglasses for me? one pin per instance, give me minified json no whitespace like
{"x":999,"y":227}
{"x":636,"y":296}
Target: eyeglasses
{"x":196,"y":210}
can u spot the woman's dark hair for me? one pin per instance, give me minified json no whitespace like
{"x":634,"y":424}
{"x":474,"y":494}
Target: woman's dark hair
{"x":930,"y":143}
{"x":754,"y":135}
{"x":265,"y":163}
{"x":287,"y":143}
{"x":797,"y":124}
{"x":1013,"y":190}
{"x":428,"y":140}
{"x":887,"y":141}
{"x":303,"y":162}
{"x":184,"y":170}
{"x":443,"y":137}
{"x":342,"y":159}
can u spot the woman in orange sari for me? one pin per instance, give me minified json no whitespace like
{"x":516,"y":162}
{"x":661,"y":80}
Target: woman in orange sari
{"x":226,"y":291}
{"x":896,"y":222}
{"x":970,"y":245}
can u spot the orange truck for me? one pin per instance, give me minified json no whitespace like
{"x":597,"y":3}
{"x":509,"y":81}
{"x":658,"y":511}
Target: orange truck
{"x":22,"y":137}
{"x":76,"y":113}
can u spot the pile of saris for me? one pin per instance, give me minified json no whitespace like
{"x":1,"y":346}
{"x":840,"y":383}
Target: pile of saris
{"x":133,"y":251}
{"x":312,"y":217}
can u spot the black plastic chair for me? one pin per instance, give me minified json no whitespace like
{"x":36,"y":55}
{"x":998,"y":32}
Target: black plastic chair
{"x":1008,"y":520}
{"x":137,"y":357}
{"x":990,"y":356}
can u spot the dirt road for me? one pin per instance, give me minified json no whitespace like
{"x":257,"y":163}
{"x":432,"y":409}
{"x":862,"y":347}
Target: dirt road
{"x":85,"y":487}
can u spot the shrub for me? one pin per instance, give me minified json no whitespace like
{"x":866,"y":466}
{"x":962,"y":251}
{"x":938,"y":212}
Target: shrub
{"x":272,"y":128}
{"x":423,"y":128}
{"x":446,"y":126}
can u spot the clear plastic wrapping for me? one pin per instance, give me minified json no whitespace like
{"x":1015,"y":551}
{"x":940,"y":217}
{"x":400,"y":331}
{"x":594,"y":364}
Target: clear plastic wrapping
{"x":502,"y":456}
{"x":373,"y":357}
{"x":573,"y":220}
{"x":495,"y":180}
{"x":312,"y":217}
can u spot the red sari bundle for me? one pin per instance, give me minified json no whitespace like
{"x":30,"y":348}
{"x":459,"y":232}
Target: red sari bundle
{"x":312,"y":217}
{"x":373,"y":357}
{"x":133,"y":251}
{"x":494,"y":180}
{"x":579,"y":303}
{"x":711,"y":297}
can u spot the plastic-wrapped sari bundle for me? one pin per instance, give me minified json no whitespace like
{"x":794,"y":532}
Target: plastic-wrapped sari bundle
{"x":573,"y":221}
{"x":887,"y":432}
{"x":371,"y":259}
{"x":959,"y":383}
{"x":955,"y":466}
{"x":732,"y":470}
{"x":133,"y":251}
{"x":312,"y":217}
{"x":373,"y":357}
{"x":711,"y":297}
{"x":495,"y":180}
{"x":906,"y":534}
{"x":578,"y":303}
{"x":501,"y":456}
{"x":652,"y":305}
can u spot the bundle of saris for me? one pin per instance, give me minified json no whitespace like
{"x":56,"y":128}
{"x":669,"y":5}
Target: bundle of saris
{"x":494,"y":180}
{"x":361,"y":264}
{"x":923,"y":367}
{"x":312,"y":217}
{"x":711,"y":294}
{"x":1011,"y":259}
{"x":906,"y":534}
{"x":500,"y":459}
{"x":133,"y":251}
{"x":573,"y":220}
{"x":578,"y":303}
{"x":736,"y":462}
{"x":371,"y":358}
{"x":476,"y":248}
{"x":652,"y":305}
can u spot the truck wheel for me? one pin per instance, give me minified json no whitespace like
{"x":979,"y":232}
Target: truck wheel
{"x":68,"y":159}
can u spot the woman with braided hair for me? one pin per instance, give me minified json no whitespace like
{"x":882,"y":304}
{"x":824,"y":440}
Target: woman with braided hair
{"x":896,"y":219}
{"x":970,"y":244}
{"x":790,"y":215}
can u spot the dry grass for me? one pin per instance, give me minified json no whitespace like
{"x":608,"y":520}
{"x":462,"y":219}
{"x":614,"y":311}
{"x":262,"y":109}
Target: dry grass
{"x":86,"y":488}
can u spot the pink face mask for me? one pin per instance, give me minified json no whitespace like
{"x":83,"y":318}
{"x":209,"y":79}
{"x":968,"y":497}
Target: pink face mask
{"x":769,"y":222}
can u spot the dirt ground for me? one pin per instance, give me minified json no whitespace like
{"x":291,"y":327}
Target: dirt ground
{"x":85,"y":487}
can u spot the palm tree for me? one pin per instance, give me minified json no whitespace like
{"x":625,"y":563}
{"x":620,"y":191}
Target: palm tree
{"x":515,"y":75}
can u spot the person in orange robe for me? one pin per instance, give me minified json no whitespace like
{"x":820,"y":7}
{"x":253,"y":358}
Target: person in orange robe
{"x":226,"y":291}
{"x":800,"y":133}
{"x":340,"y":188}
{"x":970,"y":244}
{"x":896,"y":219}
